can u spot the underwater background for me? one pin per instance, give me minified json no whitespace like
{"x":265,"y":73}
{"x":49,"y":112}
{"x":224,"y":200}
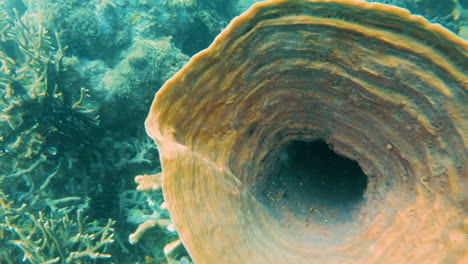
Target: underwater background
{"x":77,"y":79}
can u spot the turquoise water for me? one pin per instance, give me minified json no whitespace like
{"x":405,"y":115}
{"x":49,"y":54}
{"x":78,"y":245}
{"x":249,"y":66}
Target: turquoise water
{"x":76,"y":83}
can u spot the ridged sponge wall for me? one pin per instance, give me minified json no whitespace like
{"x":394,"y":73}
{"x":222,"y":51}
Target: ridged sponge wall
{"x":381,"y":86}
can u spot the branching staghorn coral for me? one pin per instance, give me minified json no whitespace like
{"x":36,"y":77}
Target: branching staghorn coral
{"x":40,"y":111}
{"x":133,"y":151}
{"x":150,"y":213}
{"x":37,"y":111}
{"x":53,"y":237}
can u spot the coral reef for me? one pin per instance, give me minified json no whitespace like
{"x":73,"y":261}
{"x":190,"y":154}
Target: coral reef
{"x":59,"y":143}
{"x":155,"y":229}
{"x":76,"y":80}
{"x":40,"y":111}
{"x":92,"y":29}
{"x":145,"y":64}
{"x":193,"y":24}
{"x":378,"y":85}
{"x":100,"y":29}
{"x":50,"y":237}
{"x":37,"y":111}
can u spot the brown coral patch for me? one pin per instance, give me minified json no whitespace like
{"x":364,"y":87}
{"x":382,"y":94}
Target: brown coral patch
{"x":378,"y":85}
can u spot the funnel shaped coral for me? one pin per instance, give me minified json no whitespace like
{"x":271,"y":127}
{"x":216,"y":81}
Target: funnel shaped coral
{"x":380,"y":86}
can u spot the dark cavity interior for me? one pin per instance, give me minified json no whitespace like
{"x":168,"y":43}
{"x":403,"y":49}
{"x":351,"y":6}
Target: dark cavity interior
{"x":313,"y":186}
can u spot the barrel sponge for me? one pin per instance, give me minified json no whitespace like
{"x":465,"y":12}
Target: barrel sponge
{"x":385,"y":88}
